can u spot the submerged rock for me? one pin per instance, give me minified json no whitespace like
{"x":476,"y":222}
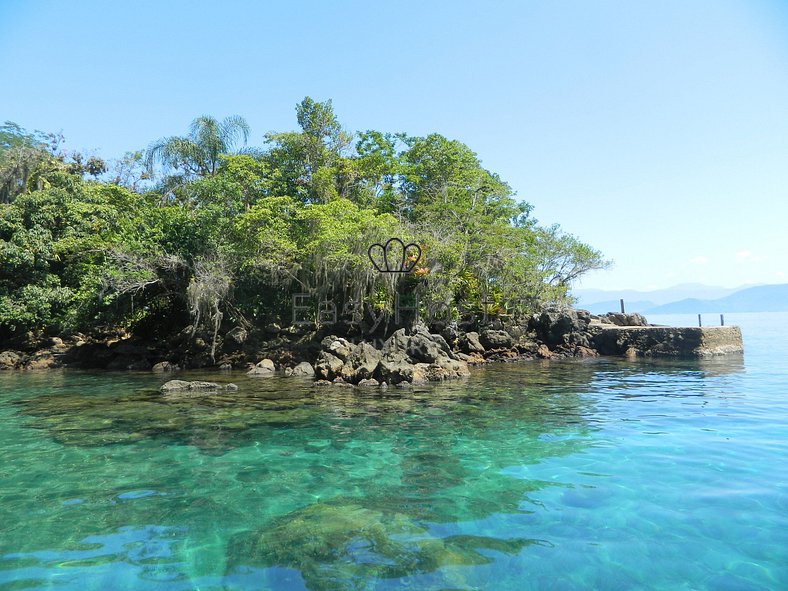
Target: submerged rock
{"x":174,"y":385}
{"x":183,"y":386}
{"x":346,"y":540}
{"x":198,"y":385}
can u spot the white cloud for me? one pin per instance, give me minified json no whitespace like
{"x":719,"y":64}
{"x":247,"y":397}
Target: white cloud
{"x":699,"y":260}
{"x":746,"y":256}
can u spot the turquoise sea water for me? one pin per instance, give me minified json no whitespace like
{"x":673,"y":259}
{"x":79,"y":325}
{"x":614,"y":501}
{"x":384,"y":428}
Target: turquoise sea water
{"x":600,"y":474}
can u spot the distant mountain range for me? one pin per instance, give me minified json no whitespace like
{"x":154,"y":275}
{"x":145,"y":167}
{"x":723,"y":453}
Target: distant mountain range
{"x":688,"y":298}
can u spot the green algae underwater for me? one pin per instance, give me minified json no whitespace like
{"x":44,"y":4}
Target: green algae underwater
{"x":600,"y":474}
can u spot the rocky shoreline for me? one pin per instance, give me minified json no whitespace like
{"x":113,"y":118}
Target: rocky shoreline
{"x":416,"y":355}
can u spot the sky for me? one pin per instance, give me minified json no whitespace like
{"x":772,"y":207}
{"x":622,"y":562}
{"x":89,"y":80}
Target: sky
{"x":657,"y":132}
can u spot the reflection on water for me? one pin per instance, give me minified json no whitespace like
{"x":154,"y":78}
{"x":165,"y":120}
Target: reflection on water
{"x":522,"y":475}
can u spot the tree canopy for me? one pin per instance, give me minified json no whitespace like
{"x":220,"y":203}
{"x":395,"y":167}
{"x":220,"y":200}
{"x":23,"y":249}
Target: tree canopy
{"x":214,"y":236}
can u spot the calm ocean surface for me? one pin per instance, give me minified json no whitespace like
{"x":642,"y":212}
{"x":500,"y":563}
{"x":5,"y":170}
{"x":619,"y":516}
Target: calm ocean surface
{"x":599,"y":474}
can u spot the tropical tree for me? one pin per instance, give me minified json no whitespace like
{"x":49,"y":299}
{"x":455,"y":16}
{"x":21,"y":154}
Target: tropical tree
{"x":562,"y":258}
{"x":310,"y":160}
{"x":199,"y":153}
{"x":24,"y":157}
{"x":239,"y":233}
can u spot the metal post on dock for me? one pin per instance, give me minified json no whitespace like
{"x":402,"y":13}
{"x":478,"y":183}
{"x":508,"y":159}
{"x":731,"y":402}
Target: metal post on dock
{"x":699,"y":322}
{"x":622,"y":306}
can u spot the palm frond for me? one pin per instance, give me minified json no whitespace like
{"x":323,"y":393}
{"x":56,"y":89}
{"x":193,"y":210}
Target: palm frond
{"x":234,"y":128}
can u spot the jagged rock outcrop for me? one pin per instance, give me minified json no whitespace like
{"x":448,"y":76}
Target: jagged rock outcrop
{"x":414,"y":355}
{"x":361,"y":363}
{"x":406,"y":357}
{"x":396,"y":367}
{"x":554,"y":325}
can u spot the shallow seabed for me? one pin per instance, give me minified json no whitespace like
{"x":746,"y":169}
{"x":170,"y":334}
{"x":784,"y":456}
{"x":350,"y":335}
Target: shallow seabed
{"x":600,"y":474}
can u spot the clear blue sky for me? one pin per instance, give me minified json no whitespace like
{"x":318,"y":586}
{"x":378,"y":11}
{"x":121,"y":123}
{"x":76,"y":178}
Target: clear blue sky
{"x":655,"y":131}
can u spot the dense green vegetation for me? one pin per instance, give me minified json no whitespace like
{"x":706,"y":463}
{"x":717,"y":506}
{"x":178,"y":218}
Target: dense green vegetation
{"x":202,"y":229}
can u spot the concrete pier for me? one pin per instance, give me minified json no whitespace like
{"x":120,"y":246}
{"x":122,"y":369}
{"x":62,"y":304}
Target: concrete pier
{"x":666,"y":341}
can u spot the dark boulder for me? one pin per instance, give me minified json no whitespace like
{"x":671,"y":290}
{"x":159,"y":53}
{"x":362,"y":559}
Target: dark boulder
{"x":422,"y":348}
{"x":442,"y":344}
{"x":235,"y":338}
{"x":303,"y":369}
{"x":362,"y":362}
{"x":328,"y":366}
{"x":469,"y":343}
{"x":495,"y":339}
{"x":396,"y":343}
{"x":395,"y":368}
{"x":264,"y":369}
{"x":450,"y":334}
{"x":337,"y":346}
